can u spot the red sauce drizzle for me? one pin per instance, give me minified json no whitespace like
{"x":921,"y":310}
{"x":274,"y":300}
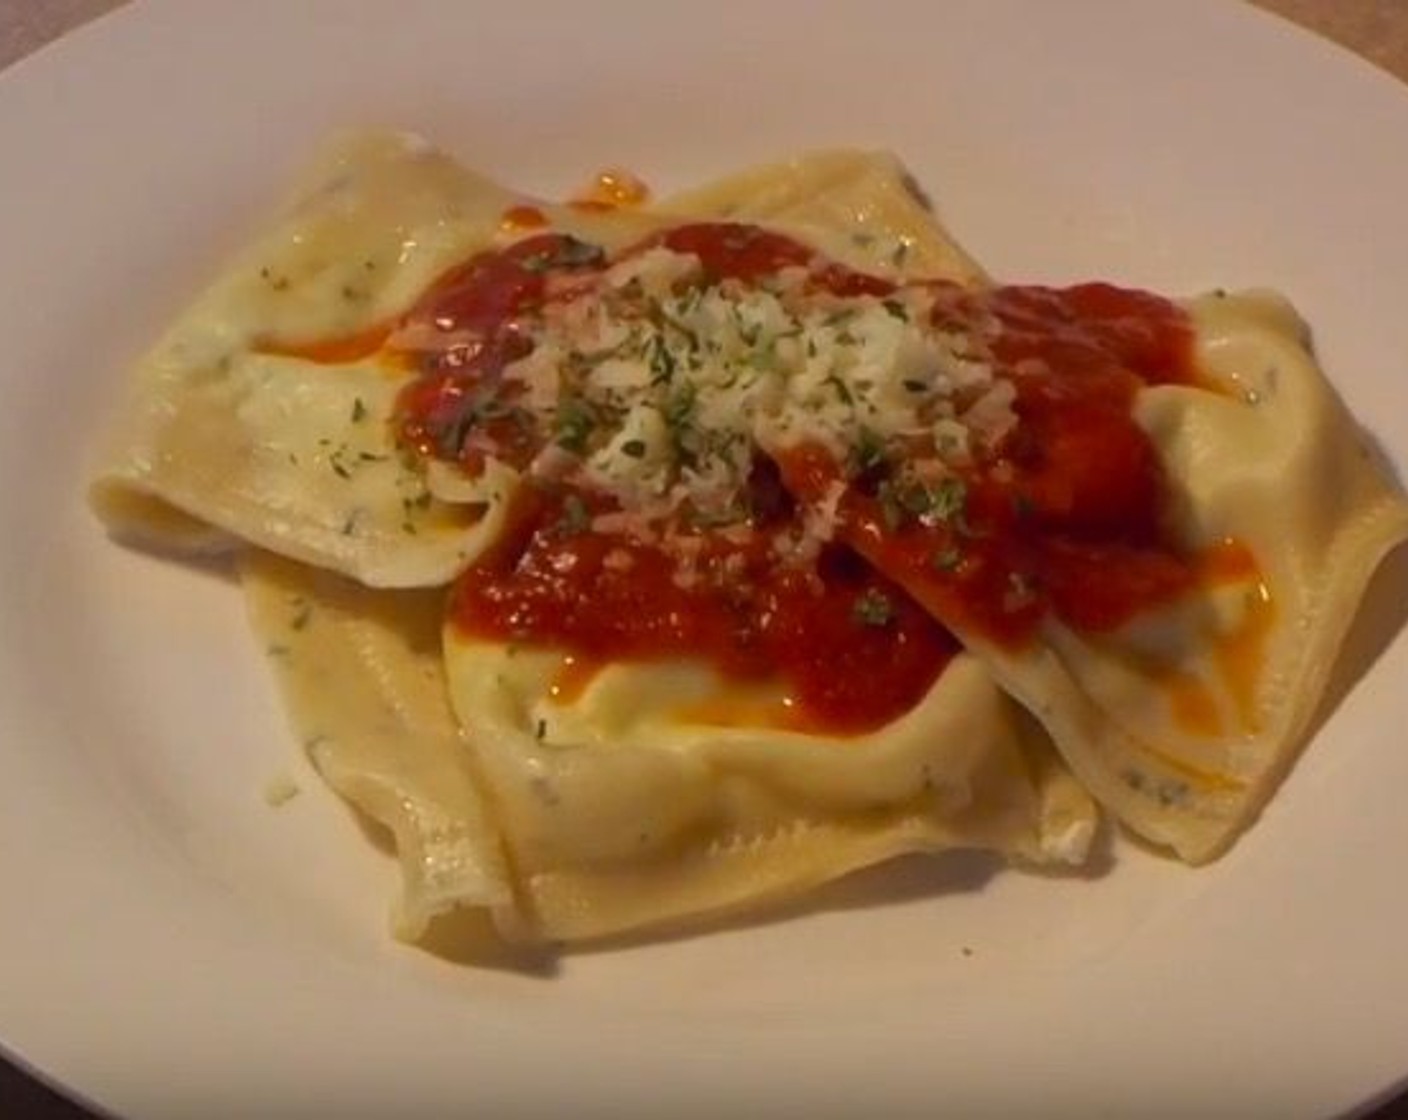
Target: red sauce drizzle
{"x":1067,"y":515}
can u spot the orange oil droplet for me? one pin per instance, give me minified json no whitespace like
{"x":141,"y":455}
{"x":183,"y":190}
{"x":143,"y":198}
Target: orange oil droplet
{"x":731,"y":710}
{"x":1193,"y":705}
{"x":611,"y":190}
{"x":522,"y":217}
{"x":331,"y":351}
{"x":1241,"y":654}
{"x":572,"y":678}
{"x":1236,"y":656}
{"x":1227,"y":561}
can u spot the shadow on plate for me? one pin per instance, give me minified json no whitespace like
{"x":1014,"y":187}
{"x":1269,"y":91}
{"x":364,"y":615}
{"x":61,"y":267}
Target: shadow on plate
{"x":1382,"y":615}
{"x":468,"y":938}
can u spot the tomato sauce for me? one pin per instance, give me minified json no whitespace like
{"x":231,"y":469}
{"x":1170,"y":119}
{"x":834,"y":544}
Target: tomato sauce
{"x":750,"y":254}
{"x":1067,"y":515}
{"x":851,"y":649}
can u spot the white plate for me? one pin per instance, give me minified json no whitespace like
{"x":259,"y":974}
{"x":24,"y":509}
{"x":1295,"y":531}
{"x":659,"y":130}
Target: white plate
{"x":170,"y":942}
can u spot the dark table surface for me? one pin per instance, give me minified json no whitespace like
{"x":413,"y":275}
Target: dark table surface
{"x":22,"y":1098}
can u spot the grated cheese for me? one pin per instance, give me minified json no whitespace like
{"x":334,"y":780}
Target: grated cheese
{"x":663,"y":388}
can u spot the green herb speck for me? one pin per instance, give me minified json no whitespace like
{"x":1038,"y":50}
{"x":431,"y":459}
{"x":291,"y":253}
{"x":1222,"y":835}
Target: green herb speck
{"x":873,"y":608}
{"x":574,"y":424}
{"x":575,"y":516}
{"x":948,"y":560}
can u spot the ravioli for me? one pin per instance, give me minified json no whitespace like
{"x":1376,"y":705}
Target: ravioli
{"x":860,"y":208}
{"x":1269,"y":457}
{"x":1181,"y":708}
{"x":265,"y":414}
{"x":624,"y":806}
{"x":363,"y":682}
{"x":635,"y":564}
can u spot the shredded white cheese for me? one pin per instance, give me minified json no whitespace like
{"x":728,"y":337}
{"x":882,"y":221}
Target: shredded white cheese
{"x":660,"y":389}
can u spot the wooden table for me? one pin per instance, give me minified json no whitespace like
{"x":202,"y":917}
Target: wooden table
{"x":1376,"y":29}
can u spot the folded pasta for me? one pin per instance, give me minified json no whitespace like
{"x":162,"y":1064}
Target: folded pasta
{"x":265,"y":414}
{"x":647,"y":798}
{"x":1156,"y":538}
{"x":682,"y":557}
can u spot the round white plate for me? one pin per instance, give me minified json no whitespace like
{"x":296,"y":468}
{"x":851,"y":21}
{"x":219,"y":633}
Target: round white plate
{"x":171,"y":945}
